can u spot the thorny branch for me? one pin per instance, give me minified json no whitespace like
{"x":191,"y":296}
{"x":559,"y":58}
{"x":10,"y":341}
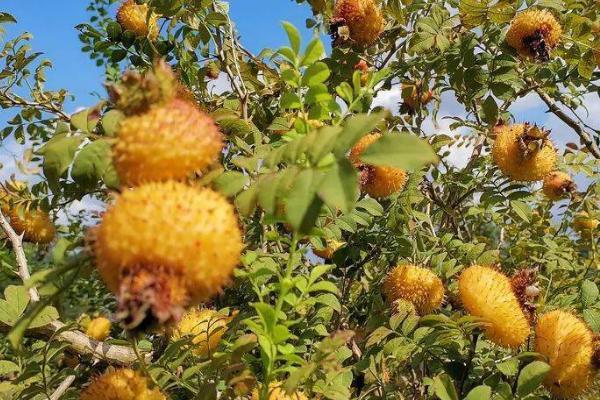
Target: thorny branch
{"x":585,"y":137}
{"x":235,"y":78}
{"x":11,"y":101}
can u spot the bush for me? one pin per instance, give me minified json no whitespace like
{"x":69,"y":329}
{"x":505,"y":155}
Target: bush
{"x":287,"y":237}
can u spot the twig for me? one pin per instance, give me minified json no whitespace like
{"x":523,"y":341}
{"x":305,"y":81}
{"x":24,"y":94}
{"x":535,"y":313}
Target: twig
{"x":49,"y":107}
{"x":63,"y":387}
{"x":583,"y":135}
{"x":17,"y":245}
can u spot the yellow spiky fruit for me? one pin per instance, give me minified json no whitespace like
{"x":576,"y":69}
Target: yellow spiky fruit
{"x":206,"y":327}
{"x":568,"y":343}
{"x":488,"y":294}
{"x":522,"y":153}
{"x":35,"y":224}
{"x":331,"y":247}
{"x":98,"y":328}
{"x":121,"y":384}
{"x":534,"y":33}
{"x":169,"y":141}
{"x":276,"y":392}
{"x":418,"y":285}
{"x":163,"y":246}
{"x":376,"y":181}
{"x":363,"y":19}
{"x":597,"y":56}
{"x":135,"y":18}
{"x":585,"y":225}
{"x":557,"y":185}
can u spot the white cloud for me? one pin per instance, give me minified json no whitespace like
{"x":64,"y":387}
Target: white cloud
{"x":527,"y":103}
{"x":220,"y":85}
{"x":389,"y":99}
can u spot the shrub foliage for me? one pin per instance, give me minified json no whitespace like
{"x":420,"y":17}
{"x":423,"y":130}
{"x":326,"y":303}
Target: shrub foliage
{"x":480,"y":253}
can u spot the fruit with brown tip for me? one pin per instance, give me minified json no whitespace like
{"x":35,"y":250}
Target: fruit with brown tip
{"x":164,"y":246}
{"x":523,"y":152}
{"x":534,"y":33}
{"x":558,"y":185}
{"x":362,"y":19}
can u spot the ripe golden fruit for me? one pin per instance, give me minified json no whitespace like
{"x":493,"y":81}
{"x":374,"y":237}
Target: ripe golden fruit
{"x":134,"y":17}
{"x":277,"y":393}
{"x":420,"y":286}
{"x":35,"y":224}
{"x":534,"y":33}
{"x":585,"y":225}
{"x":414,"y":98}
{"x":363,"y":19}
{"x":169,"y":141}
{"x":557,"y":185}
{"x":331,"y":247}
{"x":120,"y":384}
{"x":98,"y":328}
{"x":163,"y":246}
{"x":569,"y":345}
{"x":376,"y":181}
{"x":488,"y":294}
{"x":206,"y":328}
{"x":523,"y":152}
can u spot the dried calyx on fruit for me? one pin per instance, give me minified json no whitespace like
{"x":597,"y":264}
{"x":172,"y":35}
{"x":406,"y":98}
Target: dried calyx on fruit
{"x":120,"y":384}
{"x":136,"y":92}
{"x":523,"y":152}
{"x":205,"y":327}
{"x":376,"y":181}
{"x":534,"y":33}
{"x":557,"y":185}
{"x":489,"y":294}
{"x":524,"y":285}
{"x":568,"y":344}
{"x":358,"y":21}
{"x":420,"y":286}
{"x":163,"y":136}
{"x":164,"y":246}
{"x":138,"y":19}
